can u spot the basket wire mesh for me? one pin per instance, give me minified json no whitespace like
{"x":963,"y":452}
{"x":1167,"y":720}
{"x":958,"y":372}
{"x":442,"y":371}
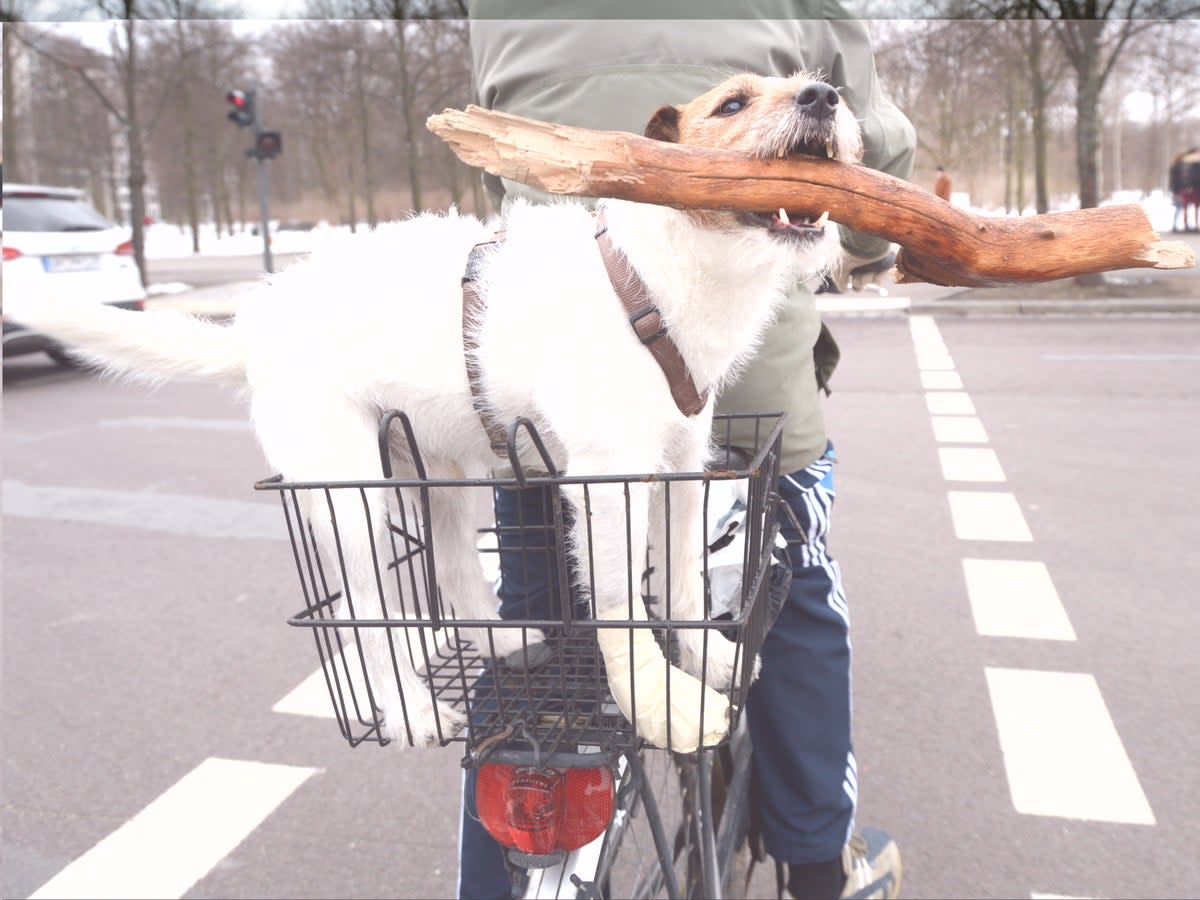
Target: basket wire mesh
{"x":563,"y":702}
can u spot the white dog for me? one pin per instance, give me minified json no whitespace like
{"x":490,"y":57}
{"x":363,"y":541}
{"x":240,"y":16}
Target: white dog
{"x":376,"y":324}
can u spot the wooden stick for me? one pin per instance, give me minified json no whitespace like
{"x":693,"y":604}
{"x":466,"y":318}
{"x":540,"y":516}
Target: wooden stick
{"x":940,"y":243}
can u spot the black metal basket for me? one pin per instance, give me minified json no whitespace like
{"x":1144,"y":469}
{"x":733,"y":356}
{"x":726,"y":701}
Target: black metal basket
{"x":561,"y":703}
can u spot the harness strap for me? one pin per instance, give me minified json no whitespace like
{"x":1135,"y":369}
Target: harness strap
{"x":647,"y":323}
{"x":644,"y":318}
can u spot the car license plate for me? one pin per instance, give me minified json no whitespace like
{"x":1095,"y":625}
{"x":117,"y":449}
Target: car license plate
{"x":78,"y":262}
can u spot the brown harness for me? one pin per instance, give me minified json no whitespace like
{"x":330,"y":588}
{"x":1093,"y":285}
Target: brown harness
{"x":643,"y":315}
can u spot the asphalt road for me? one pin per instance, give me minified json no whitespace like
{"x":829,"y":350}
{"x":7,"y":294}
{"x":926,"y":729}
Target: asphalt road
{"x":147,"y":587}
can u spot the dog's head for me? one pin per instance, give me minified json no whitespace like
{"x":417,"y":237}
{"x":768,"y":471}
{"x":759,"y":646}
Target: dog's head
{"x":768,"y":118}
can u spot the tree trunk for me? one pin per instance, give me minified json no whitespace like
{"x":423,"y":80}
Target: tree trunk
{"x":323,"y":174}
{"x":407,"y":103}
{"x":1037,"y":112}
{"x":1022,"y":133}
{"x":1009,"y":137}
{"x":478,"y":198}
{"x":353,"y":211}
{"x":214,"y":202}
{"x":13,"y":170}
{"x":137,"y":163}
{"x":1087,"y":112}
{"x":114,"y":188}
{"x":452,"y":166}
{"x":241,"y":197}
{"x":364,"y":135}
{"x":191,"y":193}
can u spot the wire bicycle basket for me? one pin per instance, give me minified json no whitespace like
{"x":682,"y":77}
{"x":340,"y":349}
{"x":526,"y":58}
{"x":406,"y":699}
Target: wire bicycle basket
{"x":558,"y":701}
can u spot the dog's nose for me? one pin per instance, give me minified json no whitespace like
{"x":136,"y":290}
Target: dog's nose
{"x":818,"y":100}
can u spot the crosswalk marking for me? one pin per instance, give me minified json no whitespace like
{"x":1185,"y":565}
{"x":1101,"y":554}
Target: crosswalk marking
{"x":970,"y":464}
{"x":987,"y":516}
{"x":311,"y":696}
{"x":1062,"y":753}
{"x":208,"y":517}
{"x":174,"y":842}
{"x":1015,"y":598}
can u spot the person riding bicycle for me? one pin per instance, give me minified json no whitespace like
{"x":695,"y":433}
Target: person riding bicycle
{"x":593,"y":68}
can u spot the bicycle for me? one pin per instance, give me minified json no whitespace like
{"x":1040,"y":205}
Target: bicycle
{"x":583,"y":805}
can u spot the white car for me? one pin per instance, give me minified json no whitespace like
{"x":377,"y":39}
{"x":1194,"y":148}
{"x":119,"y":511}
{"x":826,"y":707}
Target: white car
{"x":56,"y":244}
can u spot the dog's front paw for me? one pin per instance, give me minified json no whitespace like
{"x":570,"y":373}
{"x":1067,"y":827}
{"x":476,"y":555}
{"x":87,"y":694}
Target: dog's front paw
{"x":714,"y":664}
{"x":520,"y":648}
{"x":426,"y":725}
{"x":677,"y":713}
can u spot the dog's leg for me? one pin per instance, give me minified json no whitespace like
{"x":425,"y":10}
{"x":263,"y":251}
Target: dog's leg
{"x":609,"y":538}
{"x":460,"y":577}
{"x":705,"y":653}
{"x":331,"y":441}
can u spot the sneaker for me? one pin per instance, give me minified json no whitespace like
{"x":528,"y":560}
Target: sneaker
{"x":871,"y":861}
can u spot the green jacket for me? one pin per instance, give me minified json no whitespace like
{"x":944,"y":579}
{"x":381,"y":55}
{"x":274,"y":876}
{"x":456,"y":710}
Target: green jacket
{"x":612,"y":70}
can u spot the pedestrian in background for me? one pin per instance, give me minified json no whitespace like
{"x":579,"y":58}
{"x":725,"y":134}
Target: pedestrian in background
{"x":941,"y":186}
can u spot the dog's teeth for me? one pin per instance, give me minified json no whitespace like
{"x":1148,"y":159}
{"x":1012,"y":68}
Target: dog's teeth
{"x":829,"y":149}
{"x":783,"y":217}
{"x":824,"y":217}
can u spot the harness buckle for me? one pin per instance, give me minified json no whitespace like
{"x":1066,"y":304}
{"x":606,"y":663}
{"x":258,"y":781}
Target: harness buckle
{"x":647,"y":339}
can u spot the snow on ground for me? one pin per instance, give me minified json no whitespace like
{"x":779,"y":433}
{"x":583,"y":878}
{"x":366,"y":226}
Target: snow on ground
{"x":169,"y":241}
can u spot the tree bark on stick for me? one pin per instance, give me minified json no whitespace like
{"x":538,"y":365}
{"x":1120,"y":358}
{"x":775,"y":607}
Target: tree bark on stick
{"x":940,"y":244}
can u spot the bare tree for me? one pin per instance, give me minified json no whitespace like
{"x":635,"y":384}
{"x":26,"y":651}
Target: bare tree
{"x":124,"y":65}
{"x":11,"y":12}
{"x":1093,"y":35}
{"x":943,"y":75}
{"x":1164,"y":70}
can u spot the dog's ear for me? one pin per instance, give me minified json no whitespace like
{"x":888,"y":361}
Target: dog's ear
{"x":664,"y":125}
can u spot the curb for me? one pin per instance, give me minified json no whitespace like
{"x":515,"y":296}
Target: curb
{"x":1116,"y":306}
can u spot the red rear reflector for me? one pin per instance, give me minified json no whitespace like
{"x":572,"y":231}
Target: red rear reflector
{"x":589,"y":803}
{"x":539,"y":811}
{"x":125,"y":249}
{"x":534,"y":808}
{"x":11,"y":253}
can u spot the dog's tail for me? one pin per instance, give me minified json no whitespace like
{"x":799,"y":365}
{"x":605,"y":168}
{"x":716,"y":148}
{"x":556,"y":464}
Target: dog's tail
{"x":150,"y":346}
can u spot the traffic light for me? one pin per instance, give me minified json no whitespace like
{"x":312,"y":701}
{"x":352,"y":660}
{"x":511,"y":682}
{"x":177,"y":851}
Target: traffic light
{"x":242,"y":112}
{"x":268,"y":144}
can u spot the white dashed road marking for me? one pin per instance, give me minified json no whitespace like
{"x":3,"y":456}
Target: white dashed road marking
{"x":970,"y":464}
{"x":941,"y":381}
{"x":1062,"y":754}
{"x":950,"y":403}
{"x":1016,"y":599}
{"x":1061,"y":750}
{"x":958,"y":430}
{"x":987,"y":516}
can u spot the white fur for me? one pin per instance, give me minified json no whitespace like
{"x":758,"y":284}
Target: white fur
{"x":374,"y":323}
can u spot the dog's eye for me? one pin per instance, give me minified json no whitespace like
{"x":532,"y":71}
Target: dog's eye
{"x":731,"y":106}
